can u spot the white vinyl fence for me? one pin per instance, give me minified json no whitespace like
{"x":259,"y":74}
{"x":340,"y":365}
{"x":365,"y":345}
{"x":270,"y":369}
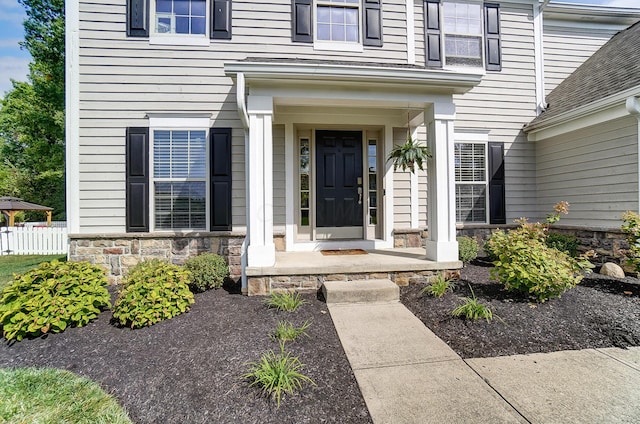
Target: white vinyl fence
{"x":33,"y":241}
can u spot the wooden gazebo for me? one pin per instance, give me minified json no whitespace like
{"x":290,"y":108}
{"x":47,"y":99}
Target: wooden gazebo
{"x":10,"y":205}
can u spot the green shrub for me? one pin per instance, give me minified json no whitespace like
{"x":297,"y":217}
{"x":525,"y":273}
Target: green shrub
{"x":526,"y":264}
{"x":208,"y":271}
{"x":467,"y":249}
{"x":472,"y":309}
{"x":287,"y":332}
{"x":438,"y":287}
{"x":631,"y":228}
{"x":153,"y":291}
{"x":285,"y":301}
{"x":277,"y":374}
{"x":52,"y":297}
{"x":563,"y":242}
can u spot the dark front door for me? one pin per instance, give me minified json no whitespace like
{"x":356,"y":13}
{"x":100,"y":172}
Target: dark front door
{"x":339,"y":183}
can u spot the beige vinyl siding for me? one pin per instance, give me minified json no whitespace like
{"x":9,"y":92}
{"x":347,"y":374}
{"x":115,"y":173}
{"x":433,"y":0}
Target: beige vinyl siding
{"x":401,"y":188}
{"x":279,"y":179}
{"x":567,"y":45}
{"x":123,"y":79}
{"x":504,"y":102}
{"x":595,"y":169}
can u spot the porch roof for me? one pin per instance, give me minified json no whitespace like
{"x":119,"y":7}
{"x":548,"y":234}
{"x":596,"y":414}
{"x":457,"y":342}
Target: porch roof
{"x":316,"y":71}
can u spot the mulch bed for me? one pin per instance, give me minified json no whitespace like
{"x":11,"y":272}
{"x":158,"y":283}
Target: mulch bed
{"x":189,"y":369}
{"x":596,"y":314}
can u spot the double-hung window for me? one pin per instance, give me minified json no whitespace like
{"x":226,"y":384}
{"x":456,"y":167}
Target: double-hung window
{"x":471,"y":182}
{"x":180,"y":179}
{"x":462,"y":34}
{"x":180,"y":17}
{"x":338,"y":20}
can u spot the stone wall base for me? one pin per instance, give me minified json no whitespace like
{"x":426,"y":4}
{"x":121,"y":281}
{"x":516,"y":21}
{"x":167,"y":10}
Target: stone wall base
{"x":119,"y":252}
{"x":263,"y":285}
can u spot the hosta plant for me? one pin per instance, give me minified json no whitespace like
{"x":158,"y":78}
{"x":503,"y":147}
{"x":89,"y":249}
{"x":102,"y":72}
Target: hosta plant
{"x":153,"y":291}
{"x":525,"y":263}
{"x":52,"y":297}
{"x":208,"y":271}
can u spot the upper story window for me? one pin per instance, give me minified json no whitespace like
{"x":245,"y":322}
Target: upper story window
{"x":181,"y":17}
{"x":462,"y":34}
{"x":338,"y":20}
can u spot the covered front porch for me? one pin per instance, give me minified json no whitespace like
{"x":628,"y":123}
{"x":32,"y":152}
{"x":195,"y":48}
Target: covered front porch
{"x":309,"y":270}
{"x":317,"y":136}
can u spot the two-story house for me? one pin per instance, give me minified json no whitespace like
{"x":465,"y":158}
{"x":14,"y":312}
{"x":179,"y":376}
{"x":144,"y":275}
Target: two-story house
{"x":253,"y":127}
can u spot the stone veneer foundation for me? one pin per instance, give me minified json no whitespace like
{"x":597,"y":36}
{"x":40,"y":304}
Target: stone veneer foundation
{"x":119,"y":252}
{"x":263,"y":285}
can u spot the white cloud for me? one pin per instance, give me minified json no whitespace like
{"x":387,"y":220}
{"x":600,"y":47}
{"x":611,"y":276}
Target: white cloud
{"x":12,"y":67}
{"x":624,"y":3}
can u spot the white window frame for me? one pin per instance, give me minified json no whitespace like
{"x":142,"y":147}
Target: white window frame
{"x":164,"y":123}
{"x":482,"y":139}
{"x":349,"y":46}
{"x":445,"y":33}
{"x":180,"y":39}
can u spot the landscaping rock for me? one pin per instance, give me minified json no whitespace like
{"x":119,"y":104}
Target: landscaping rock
{"x":612,"y":270}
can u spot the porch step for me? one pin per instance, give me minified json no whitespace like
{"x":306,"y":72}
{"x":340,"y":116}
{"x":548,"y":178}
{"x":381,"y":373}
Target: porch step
{"x":360,"y":291}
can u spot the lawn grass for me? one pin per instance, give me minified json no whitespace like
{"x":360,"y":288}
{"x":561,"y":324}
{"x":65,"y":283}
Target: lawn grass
{"x":46,"y":395}
{"x":18,"y":264}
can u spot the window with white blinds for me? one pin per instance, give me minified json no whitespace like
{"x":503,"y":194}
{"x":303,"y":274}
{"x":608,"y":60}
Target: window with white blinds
{"x":180,"y":179}
{"x":471,"y":182}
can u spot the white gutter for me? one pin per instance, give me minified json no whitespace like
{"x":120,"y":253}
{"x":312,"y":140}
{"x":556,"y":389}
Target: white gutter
{"x":633,"y":107}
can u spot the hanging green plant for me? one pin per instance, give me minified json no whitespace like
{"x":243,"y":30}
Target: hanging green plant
{"x":408,"y":155}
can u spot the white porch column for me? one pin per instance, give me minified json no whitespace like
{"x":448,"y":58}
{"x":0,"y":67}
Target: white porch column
{"x":441,"y":244}
{"x":261,"y":250}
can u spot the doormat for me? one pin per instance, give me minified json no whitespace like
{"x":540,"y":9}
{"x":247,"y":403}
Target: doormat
{"x":343,"y":252}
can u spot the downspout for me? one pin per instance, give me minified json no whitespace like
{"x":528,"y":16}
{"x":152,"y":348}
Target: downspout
{"x":633,"y":107}
{"x":538,"y":36}
{"x":241,"y":101}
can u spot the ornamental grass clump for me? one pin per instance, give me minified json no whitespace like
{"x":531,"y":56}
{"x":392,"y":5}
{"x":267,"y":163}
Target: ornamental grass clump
{"x":438,"y":287}
{"x":52,"y":297}
{"x":472,"y":309}
{"x":277,"y":373}
{"x":288,"y":332}
{"x":525,"y":263}
{"x":208,"y":271}
{"x":284,"y":301}
{"x":153,"y":291}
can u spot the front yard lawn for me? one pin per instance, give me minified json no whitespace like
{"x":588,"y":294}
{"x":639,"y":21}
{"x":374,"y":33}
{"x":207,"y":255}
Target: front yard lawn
{"x":18,"y":264}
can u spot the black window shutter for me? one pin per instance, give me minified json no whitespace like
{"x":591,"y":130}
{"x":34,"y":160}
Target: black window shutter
{"x":137,"y":180}
{"x":138,"y":18}
{"x":372,"y":23}
{"x":432,"y":33}
{"x":302,"y":21}
{"x":497,"y":209}
{"x":492,"y":36}
{"x":221,"y":19}
{"x":220,"y":166}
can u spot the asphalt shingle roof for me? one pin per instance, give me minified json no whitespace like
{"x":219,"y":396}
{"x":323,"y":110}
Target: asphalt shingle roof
{"x":614,"y":68}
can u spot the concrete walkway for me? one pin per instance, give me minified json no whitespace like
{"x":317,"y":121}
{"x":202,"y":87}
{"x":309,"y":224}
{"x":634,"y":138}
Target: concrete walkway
{"x":408,"y":375}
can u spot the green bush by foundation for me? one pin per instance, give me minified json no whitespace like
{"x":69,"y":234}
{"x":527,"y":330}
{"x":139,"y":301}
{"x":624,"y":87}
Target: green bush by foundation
{"x":208,"y":271}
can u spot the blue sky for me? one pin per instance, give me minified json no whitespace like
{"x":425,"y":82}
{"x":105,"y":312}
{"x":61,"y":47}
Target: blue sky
{"x":14,"y":62}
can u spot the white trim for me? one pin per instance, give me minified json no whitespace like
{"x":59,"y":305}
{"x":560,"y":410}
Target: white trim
{"x":290,"y":161}
{"x":387,"y":187}
{"x":177,"y":40}
{"x":163,"y":120}
{"x":338,"y":46}
{"x":593,"y":113}
{"x":415,"y":199}
{"x":72,"y":115}
{"x":341,"y":244}
{"x":411,"y":33}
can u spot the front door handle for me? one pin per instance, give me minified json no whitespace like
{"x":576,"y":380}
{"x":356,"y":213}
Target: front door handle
{"x":359,"y":195}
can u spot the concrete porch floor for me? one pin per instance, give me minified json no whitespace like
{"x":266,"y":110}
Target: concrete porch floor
{"x":308,"y":270}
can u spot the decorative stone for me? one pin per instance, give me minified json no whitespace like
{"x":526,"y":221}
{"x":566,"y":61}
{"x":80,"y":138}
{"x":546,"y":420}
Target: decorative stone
{"x":257,"y":287}
{"x":612,"y":270}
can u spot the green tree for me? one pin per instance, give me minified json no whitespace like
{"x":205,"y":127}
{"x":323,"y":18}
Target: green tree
{"x":32,"y":113}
